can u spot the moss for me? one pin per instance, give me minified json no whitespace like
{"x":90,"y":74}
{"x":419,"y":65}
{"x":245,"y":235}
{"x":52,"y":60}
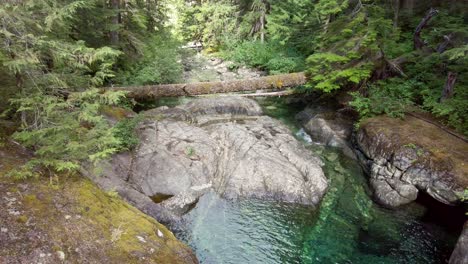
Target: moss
{"x":108,"y":214}
{"x":13,"y":189}
{"x":72,"y":213}
{"x":279,"y":84}
{"x":160,"y":197}
{"x":22,"y":219}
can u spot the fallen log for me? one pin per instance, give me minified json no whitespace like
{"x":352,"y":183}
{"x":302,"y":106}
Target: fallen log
{"x":256,"y":94}
{"x":273,"y":82}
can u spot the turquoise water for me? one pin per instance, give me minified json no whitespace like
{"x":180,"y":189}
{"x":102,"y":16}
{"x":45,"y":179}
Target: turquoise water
{"x":347,"y":228}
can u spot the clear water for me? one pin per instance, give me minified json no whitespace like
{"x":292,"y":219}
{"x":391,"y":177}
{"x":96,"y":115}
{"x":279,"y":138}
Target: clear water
{"x":347,"y":228}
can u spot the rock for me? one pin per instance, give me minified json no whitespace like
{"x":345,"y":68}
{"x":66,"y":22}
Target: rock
{"x":460,"y":254}
{"x":329,"y":126}
{"x":114,"y":114}
{"x":61,"y":255}
{"x":141,"y":239}
{"x":160,"y":234}
{"x":229,"y":76}
{"x":224,"y":144}
{"x":406,"y":156}
{"x":245,"y":73}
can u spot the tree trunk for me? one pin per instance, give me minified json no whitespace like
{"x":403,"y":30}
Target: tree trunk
{"x":418,"y":42}
{"x":262,"y":28}
{"x":449,"y":85}
{"x":396,"y":14}
{"x":114,"y":34}
{"x":275,"y":82}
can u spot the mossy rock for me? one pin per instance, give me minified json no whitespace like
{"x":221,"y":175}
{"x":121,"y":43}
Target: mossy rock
{"x":434,"y":147}
{"x":410,"y":155}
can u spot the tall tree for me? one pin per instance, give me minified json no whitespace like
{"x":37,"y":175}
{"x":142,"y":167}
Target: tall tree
{"x":114,"y":33}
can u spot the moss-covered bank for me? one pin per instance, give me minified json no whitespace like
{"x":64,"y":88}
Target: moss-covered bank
{"x":69,"y":219}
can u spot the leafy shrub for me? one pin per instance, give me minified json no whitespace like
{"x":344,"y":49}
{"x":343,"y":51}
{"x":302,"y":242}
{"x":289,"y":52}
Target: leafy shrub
{"x":391,"y":97}
{"x":65,"y":133}
{"x":327,"y":71}
{"x":454,"y":110}
{"x":124,"y":131}
{"x":159,"y":64}
{"x":431,"y":72}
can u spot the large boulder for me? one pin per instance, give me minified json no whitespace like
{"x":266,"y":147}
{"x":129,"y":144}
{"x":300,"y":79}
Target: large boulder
{"x":224,"y":144}
{"x":328,"y":125}
{"x":406,"y":156}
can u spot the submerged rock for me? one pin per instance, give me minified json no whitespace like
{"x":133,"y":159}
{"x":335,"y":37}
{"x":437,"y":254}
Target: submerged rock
{"x":224,"y":144}
{"x":406,"y":156}
{"x":460,"y":254}
{"x":329,"y":126}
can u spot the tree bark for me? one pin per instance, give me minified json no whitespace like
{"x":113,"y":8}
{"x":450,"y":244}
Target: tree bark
{"x":274,"y":82}
{"x":262,"y":28}
{"x":396,"y":14}
{"x":418,"y":42}
{"x":114,"y":34}
{"x":447,"y":92}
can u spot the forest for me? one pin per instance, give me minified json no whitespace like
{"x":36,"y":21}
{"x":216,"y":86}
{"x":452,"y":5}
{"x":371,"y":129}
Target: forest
{"x":66,"y":65}
{"x":392,"y":56}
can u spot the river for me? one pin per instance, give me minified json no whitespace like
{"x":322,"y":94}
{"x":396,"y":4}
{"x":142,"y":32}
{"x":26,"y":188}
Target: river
{"x":347,"y":228}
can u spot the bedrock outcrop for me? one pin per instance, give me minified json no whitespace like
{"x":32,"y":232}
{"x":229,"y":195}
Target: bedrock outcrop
{"x":406,"y":156}
{"x":224,"y":144}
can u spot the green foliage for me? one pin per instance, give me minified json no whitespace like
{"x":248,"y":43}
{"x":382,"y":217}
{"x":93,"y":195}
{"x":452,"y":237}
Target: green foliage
{"x":33,"y":51}
{"x":55,"y":75}
{"x":209,"y":21}
{"x":160,"y":63}
{"x":66,"y":133}
{"x":328,"y":71}
{"x":464,"y":195}
{"x":410,"y":145}
{"x":331,"y":7}
{"x":269,"y":56}
{"x":454,"y":110}
{"x":124,"y":131}
{"x":431,"y":72}
{"x":391,"y":97}
{"x":345,"y":51}
{"x":190,"y":151}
